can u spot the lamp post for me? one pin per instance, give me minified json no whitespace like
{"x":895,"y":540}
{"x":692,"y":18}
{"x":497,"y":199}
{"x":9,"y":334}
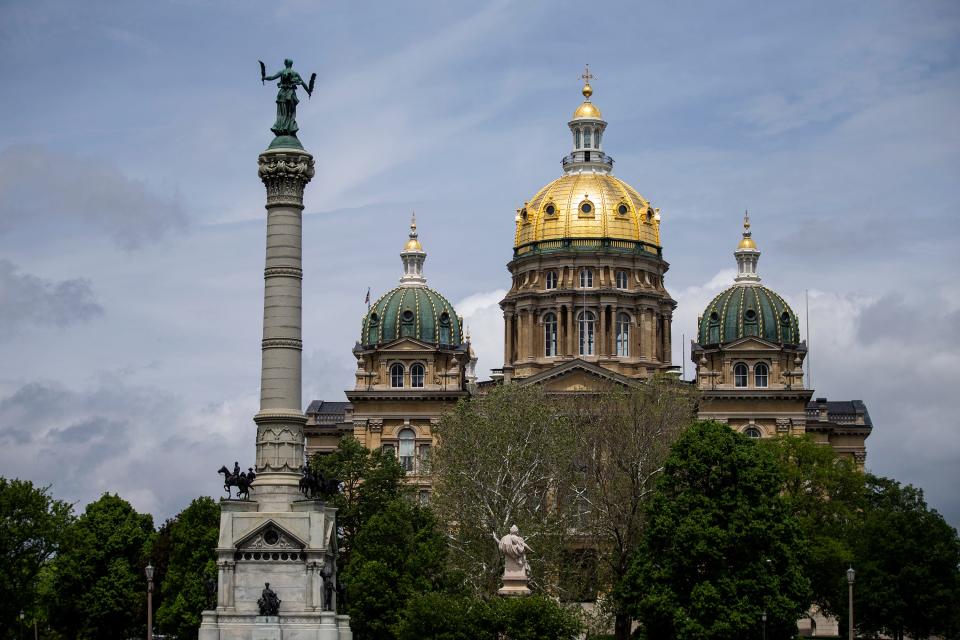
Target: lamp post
{"x":22,"y":615}
{"x":850,"y":576}
{"x":764,"y":618}
{"x":149,"y":572}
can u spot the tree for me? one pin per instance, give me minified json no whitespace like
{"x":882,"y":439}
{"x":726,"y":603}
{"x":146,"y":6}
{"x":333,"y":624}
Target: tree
{"x":369,"y":481}
{"x":826,"y":493}
{"x":193,"y":562}
{"x":96,"y":587}
{"x":907,"y":561}
{"x":32,"y":524}
{"x":398,"y":553}
{"x":721,"y":546}
{"x":504,"y":459}
{"x":623,"y":437}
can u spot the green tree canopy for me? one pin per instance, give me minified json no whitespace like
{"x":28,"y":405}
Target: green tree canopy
{"x":826,"y":493}
{"x":907,"y":562}
{"x":721,"y":546}
{"x":192,"y":562}
{"x":96,"y":587}
{"x":32,"y":525}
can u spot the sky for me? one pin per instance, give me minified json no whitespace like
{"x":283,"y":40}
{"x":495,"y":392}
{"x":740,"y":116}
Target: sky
{"x":132,"y":220}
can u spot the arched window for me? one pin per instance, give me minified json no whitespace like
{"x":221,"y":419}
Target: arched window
{"x":586,"y":278}
{"x":550,"y":335}
{"x":407,"y":438}
{"x":623,"y":335}
{"x":621,"y":279}
{"x":761,"y":374}
{"x":576,"y":138}
{"x":396,"y":375}
{"x":740,"y":375}
{"x":586,"y":138}
{"x":586,"y":320}
{"x":551,"y":279}
{"x":752,"y":432}
{"x":416,"y":375}
{"x":444,"y":329}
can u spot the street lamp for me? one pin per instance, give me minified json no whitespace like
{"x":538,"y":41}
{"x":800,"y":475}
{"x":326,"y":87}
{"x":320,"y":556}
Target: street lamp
{"x":149,"y":572}
{"x":850,"y":576}
{"x":764,"y":618}
{"x":22,"y":615}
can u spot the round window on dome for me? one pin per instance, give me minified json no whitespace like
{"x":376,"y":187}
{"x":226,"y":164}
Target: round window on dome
{"x":714,"y":317}
{"x":523,"y":215}
{"x":550,"y":209}
{"x":586,"y":208}
{"x":374,"y":319}
{"x":750,"y":315}
{"x":407,"y":316}
{"x":623,"y":209}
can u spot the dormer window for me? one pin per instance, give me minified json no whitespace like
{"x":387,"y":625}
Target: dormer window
{"x":373,"y":328}
{"x":406,"y":324}
{"x":444,"y":328}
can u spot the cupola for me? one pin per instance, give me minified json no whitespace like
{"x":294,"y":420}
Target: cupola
{"x":587,"y":128}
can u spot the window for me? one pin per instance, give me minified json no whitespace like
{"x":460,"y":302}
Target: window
{"x":424,"y":460}
{"x":406,"y":449}
{"x":751,"y":432}
{"x":623,"y":335}
{"x":750,"y":322}
{"x":550,"y":335}
{"x":416,"y":375}
{"x":550,"y":209}
{"x":586,"y":278}
{"x":623,"y":209}
{"x":596,"y":138}
{"x":373,"y":329}
{"x":576,"y":138}
{"x":621,"y":279}
{"x":740,"y":375}
{"x":424,"y":497}
{"x":586,"y":138}
{"x":396,"y":375}
{"x":444,"y":329}
{"x":586,"y":320}
{"x":389,"y":450}
{"x":586,"y":208}
{"x":551,"y":279}
{"x":714,"y":328}
{"x":760,"y":375}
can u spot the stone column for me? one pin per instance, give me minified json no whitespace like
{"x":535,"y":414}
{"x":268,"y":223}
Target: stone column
{"x":508,"y":338}
{"x":280,"y":421}
{"x":602,"y":342}
{"x":532,"y":349}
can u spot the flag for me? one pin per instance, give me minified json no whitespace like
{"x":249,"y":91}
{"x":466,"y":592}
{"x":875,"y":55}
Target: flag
{"x":367,"y":300}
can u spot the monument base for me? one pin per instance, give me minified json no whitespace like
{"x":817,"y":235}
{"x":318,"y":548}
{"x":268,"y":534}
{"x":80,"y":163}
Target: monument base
{"x":267,"y":628}
{"x":514,"y":583}
{"x":301,"y":625}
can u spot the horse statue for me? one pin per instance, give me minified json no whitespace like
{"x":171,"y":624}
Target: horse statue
{"x":314,"y":485}
{"x":238,"y":479}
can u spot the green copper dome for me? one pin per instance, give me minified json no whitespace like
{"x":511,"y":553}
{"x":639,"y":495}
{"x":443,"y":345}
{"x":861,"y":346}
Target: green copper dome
{"x":416,"y":312}
{"x":748,"y":310}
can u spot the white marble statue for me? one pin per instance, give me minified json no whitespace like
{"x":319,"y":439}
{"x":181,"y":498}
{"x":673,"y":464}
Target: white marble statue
{"x":516,"y":569}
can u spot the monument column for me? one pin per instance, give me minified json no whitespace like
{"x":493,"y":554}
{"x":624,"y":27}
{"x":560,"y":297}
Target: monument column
{"x":285,"y":171}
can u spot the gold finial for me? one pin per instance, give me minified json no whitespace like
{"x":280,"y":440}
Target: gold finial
{"x":587,"y":77}
{"x":746,"y":242}
{"x":413,"y":244}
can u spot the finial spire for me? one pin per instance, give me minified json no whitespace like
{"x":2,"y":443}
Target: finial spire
{"x":413,"y":224}
{"x":587,"y":77}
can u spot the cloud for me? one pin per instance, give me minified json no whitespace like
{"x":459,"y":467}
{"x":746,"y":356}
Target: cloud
{"x":26,"y":300}
{"x":483,"y":317}
{"x":146,"y":445}
{"x":48,"y":192}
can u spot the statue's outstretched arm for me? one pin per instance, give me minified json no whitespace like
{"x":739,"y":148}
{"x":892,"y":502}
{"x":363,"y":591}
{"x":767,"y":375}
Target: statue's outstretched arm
{"x":274,"y":76}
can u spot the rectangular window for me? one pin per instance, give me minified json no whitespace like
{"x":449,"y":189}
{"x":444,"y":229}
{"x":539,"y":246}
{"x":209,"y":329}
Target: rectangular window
{"x":424,"y":460}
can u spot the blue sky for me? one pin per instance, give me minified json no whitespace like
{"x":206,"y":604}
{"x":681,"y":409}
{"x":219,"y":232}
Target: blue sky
{"x":131,"y":219}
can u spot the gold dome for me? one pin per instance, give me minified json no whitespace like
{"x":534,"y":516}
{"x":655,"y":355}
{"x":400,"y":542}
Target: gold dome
{"x":412,"y":245}
{"x":746,"y":243}
{"x":614,"y":210}
{"x":587,"y":110}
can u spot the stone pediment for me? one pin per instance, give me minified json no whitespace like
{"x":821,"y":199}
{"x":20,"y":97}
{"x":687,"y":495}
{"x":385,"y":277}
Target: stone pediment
{"x":270,"y":536}
{"x":752,"y":343}
{"x":578,"y":375}
{"x":407,"y":344}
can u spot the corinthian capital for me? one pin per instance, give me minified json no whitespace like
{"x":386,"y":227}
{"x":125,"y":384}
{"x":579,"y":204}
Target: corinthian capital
{"x":285,"y":174}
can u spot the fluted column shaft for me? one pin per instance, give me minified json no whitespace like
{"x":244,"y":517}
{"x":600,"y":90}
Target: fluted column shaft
{"x":280,"y":421}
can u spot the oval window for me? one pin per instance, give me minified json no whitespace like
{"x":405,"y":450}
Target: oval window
{"x":408,"y":316}
{"x":551,"y":209}
{"x":623,"y":209}
{"x":750,"y":315}
{"x":586,"y":208}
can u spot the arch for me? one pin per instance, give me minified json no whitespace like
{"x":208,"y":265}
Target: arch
{"x":586,"y":278}
{"x":396,"y":375}
{"x":407,"y":439}
{"x":551,"y":280}
{"x":623,"y":335}
{"x":550,"y":335}
{"x":417,"y":375}
{"x":752,"y":432}
{"x":740,"y":375}
{"x":586,"y":325}
{"x":761,"y":375}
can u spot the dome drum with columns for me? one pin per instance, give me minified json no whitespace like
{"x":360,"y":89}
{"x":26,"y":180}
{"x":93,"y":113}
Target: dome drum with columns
{"x":587,"y":272}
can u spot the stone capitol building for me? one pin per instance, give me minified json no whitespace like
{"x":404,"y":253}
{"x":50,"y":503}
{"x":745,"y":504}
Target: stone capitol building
{"x":587,"y":307}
